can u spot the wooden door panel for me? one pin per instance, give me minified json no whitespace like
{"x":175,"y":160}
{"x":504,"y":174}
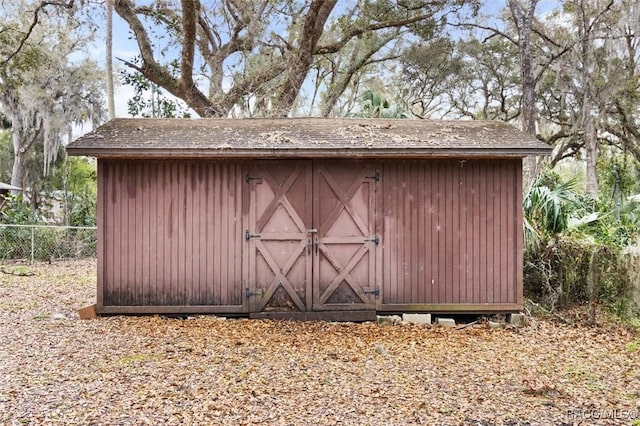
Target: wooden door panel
{"x":279,"y":252}
{"x":345,"y":245}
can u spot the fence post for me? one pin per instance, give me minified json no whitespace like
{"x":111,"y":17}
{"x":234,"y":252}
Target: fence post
{"x":33,"y":243}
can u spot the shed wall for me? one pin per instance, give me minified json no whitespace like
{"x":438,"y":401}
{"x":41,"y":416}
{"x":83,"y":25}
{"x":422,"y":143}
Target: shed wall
{"x":170,"y":236}
{"x":452,"y":235}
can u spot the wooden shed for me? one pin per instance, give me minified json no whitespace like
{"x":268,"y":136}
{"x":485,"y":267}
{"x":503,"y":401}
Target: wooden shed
{"x":308,"y":218}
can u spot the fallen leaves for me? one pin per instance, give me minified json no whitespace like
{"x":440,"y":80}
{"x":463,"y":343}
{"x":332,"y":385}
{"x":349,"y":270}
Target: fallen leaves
{"x":204,"y":370}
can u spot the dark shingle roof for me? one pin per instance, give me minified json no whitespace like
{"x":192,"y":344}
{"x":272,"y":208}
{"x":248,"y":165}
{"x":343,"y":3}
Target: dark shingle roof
{"x":304,"y":138}
{"x":6,"y":186}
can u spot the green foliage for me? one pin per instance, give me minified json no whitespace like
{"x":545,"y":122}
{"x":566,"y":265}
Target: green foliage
{"x":149,"y":100}
{"x":72,"y":179}
{"x":565,"y":232}
{"x":6,"y":156}
{"x":15,"y":211}
{"x":77,"y":179}
{"x":374,"y":105}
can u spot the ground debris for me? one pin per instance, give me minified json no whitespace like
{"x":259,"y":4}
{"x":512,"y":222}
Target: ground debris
{"x":150,"y":370}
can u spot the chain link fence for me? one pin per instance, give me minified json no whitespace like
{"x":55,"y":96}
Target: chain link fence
{"x":46,"y":243}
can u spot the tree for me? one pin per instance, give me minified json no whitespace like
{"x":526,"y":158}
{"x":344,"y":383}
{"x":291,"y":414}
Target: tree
{"x":42,"y":92}
{"x":576,"y":94}
{"x":111,"y":107}
{"x":431,"y":73}
{"x":488,"y":86}
{"x":233,"y":53}
{"x":16,"y":38}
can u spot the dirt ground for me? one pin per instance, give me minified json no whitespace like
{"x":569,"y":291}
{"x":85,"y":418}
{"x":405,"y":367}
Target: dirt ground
{"x":58,"y":369}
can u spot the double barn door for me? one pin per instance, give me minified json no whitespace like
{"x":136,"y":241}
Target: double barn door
{"x":312,"y":236}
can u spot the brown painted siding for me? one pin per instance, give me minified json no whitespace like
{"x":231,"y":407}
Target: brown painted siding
{"x":452,"y":233}
{"x":170,"y":234}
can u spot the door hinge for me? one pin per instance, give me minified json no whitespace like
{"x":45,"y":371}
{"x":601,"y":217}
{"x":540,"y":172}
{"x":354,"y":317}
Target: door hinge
{"x":374,"y":291}
{"x":376,"y":240}
{"x":249,"y":293}
{"x":248,"y":235}
{"x":249,"y":178}
{"x":375,"y":177}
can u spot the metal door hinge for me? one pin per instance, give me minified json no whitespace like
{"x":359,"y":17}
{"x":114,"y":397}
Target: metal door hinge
{"x":249,"y":293}
{"x":375,"y":177}
{"x":376,"y":240}
{"x":248,"y":235}
{"x":250,"y":178}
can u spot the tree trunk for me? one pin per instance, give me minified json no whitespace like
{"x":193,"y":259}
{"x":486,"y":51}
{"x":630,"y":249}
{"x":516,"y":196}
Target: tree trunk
{"x":591,"y":150}
{"x":300,"y":62}
{"x":109,"y":61}
{"x":17,"y":172}
{"x":524,"y":19}
{"x":590,"y":136}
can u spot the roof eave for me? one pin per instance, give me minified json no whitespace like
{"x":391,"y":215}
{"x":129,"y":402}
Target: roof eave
{"x":226,"y":153}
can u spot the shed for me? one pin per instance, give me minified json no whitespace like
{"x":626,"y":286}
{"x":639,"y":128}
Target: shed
{"x":308,"y":218}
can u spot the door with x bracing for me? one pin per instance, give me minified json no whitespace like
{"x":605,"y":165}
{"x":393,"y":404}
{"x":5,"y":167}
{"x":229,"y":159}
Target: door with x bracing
{"x":312,"y":236}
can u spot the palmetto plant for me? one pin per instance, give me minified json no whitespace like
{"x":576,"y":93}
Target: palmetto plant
{"x":374,"y":105}
{"x":547,"y":209}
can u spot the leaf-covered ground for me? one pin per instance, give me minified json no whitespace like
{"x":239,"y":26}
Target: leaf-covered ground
{"x":58,"y":369}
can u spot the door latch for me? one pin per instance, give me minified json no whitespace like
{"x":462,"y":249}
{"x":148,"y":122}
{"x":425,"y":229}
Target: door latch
{"x":374,"y":291}
{"x":248,"y":235}
{"x":375,"y":177}
{"x":249,"y":293}
{"x":376,"y":240}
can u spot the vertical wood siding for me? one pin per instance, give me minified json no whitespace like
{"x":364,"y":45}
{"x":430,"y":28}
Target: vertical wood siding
{"x":171,"y":234}
{"x":452,"y":233}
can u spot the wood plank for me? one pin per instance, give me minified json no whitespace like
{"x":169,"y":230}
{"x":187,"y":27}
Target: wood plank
{"x":482,"y":234}
{"x":429,"y":234}
{"x":143,"y":220}
{"x":421,"y":243}
{"x":172,"y":309}
{"x":393,"y":212}
{"x":378,"y":230}
{"x":200,"y":264}
{"x":476,"y":278}
{"x":224,"y":233}
{"x":506,"y":226}
{"x":152,"y":232}
{"x":440,"y":230}
{"x":118,"y":244}
{"x":468,"y":233}
{"x":476,"y":308}
{"x":414,"y":260}
{"x":385,"y":198}
{"x":238,"y":284}
{"x":456,"y":212}
{"x":190,"y":239}
{"x":129,"y":203}
{"x":519,"y":240}
{"x":350,"y":316}
{"x":101,"y":234}
{"x":162,"y":237}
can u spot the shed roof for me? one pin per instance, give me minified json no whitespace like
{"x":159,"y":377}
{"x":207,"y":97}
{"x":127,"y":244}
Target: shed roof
{"x":304,"y":138}
{"x":6,"y":186}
